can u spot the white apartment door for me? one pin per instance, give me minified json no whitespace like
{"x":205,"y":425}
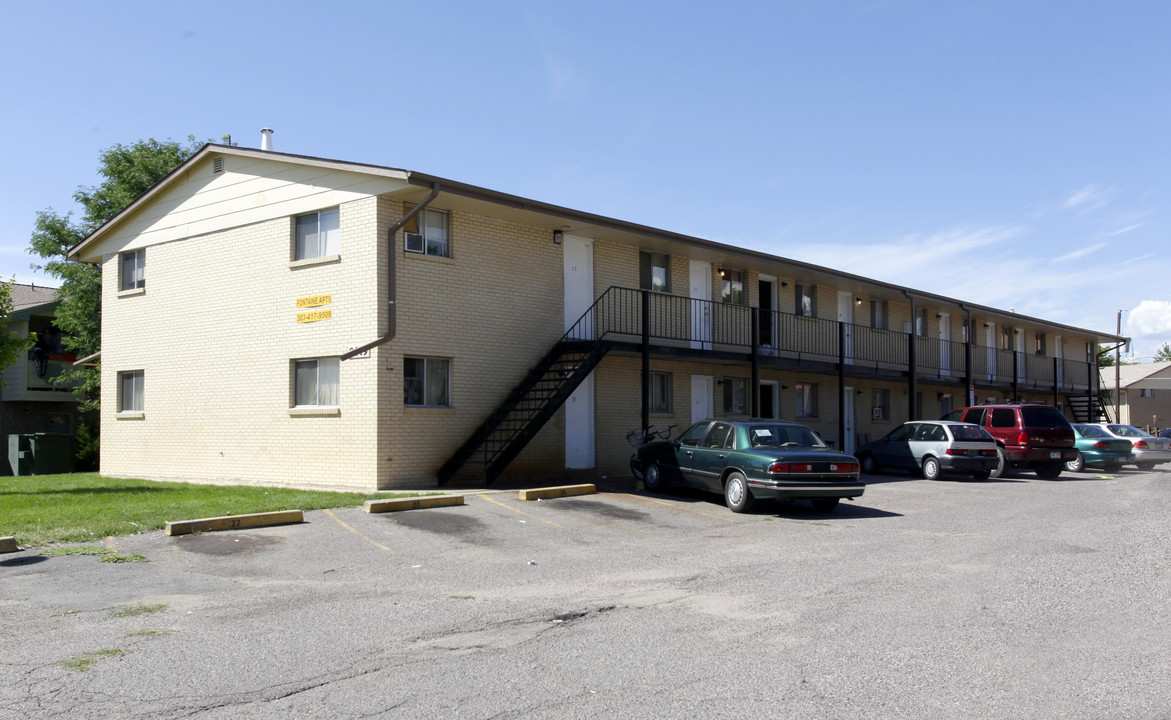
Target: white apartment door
{"x":990,"y":341}
{"x":701,"y":305}
{"x":702,"y":388}
{"x":846,"y":316}
{"x":848,"y":422}
{"x":945,"y":343}
{"x":579,"y":282}
{"x":579,"y":296}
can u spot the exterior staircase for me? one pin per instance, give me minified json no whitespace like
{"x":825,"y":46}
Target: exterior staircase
{"x":1088,"y":408}
{"x":530,"y":405}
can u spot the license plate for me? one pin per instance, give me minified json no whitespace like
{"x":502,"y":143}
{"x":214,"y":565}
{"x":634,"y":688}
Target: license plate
{"x":1054,"y":455}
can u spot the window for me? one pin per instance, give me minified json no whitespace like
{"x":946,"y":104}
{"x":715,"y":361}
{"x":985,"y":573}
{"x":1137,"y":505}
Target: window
{"x":720,"y":436}
{"x":881,"y":404}
{"x":1006,"y":334}
{"x":693,"y":434}
{"x":133,"y":271}
{"x":806,"y":400}
{"x":1039,"y":344}
{"x":735,"y":396}
{"x":654,"y":272}
{"x":1146,"y":392}
{"x":660,"y":392}
{"x":733,"y":287}
{"x":1003,"y":418}
{"x":878,"y":317}
{"x":428,"y":232}
{"x":130,"y":391}
{"x":806,"y":300}
{"x":921,"y":323}
{"x":318,"y":235}
{"x":426,"y":381}
{"x":315,"y":382}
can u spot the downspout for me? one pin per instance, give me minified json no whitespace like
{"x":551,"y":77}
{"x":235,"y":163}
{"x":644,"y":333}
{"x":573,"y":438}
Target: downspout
{"x":391,"y":291}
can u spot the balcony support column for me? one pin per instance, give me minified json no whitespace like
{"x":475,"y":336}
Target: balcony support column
{"x":1056,"y":386}
{"x":1016,"y":376}
{"x":969,"y":377}
{"x":755,"y":362}
{"x":912,"y":362}
{"x":646,"y":360}
{"x":841,"y":387}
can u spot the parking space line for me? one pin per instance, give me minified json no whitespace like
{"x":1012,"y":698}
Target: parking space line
{"x":347,"y":527}
{"x":520,"y":512}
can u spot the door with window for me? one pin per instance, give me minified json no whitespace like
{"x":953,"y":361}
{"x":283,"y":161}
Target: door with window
{"x":701,"y":305}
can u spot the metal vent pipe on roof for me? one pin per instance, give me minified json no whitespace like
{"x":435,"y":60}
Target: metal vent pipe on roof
{"x":266,"y":138}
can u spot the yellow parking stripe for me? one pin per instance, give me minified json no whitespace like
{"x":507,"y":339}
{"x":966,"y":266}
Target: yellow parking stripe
{"x":520,"y":512}
{"x":347,"y":527}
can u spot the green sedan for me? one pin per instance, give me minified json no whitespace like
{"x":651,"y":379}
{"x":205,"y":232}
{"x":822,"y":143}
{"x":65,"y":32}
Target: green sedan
{"x":748,"y":460}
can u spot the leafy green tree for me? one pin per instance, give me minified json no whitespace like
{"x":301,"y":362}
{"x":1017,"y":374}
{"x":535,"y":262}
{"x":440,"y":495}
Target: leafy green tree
{"x":11,"y":346}
{"x":127,"y":172}
{"x":1163,"y":354}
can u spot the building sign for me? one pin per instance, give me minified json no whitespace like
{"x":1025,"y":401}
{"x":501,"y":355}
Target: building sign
{"x":314,"y":301}
{"x":314,"y":316}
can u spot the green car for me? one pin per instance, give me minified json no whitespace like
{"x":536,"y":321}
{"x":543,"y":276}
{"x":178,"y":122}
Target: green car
{"x":1098,"y":448}
{"x":748,"y":460}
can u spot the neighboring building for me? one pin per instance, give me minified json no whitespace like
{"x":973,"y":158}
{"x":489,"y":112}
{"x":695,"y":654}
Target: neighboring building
{"x":279,"y":319}
{"x":31,"y":403}
{"x":1145,"y":397}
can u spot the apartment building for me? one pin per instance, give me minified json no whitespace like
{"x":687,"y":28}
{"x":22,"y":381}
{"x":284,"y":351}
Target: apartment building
{"x":1144,"y":398}
{"x":279,"y":319}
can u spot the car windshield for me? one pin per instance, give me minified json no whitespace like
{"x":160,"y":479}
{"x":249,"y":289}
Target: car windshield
{"x":783,"y":436}
{"x":1043,"y":417}
{"x":969,"y":432}
{"x":1091,"y":431}
{"x":1128,"y":431}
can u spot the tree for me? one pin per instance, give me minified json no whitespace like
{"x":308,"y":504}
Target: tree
{"x":1106,"y":357}
{"x":1163,"y":354}
{"x":127,"y":172}
{"x":11,"y":346}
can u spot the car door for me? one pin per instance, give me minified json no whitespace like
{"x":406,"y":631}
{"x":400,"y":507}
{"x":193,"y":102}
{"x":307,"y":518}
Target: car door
{"x":929,"y":439}
{"x":894,"y":450}
{"x":684,"y":451}
{"x":711,"y":457}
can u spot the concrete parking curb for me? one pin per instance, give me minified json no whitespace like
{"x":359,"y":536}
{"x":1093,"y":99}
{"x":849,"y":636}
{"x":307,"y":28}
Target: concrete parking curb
{"x":235,"y":522}
{"x":8,"y":544}
{"x":396,"y":505}
{"x":556,"y":492}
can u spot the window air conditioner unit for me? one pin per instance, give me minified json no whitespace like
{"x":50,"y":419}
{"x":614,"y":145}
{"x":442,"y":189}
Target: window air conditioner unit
{"x":414,"y":242}
{"x":878,"y":413}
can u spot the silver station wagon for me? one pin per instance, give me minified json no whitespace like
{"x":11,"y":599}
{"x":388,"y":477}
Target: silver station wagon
{"x":932,"y":447}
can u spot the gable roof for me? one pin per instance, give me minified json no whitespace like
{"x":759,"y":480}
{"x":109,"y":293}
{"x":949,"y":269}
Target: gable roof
{"x":513,"y":205}
{"x":1143,"y":375}
{"x":31,"y":297}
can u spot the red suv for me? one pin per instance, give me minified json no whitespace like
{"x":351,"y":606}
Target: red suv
{"x":1033,"y":436}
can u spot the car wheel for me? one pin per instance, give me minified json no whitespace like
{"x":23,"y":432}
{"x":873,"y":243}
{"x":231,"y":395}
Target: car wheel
{"x":930,"y":468}
{"x":1077,"y":464}
{"x":1049,"y":471}
{"x":653,"y":477}
{"x":1146,"y":466}
{"x":1113,"y":468}
{"x":981,"y":475}
{"x":868,"y":465}
{"x":736,"y":493}
{"x":825,"y":504}
{"x":1001,"y":468}
{"x":636,"y":467}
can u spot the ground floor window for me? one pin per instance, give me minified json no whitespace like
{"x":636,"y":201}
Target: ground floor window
{"x":881,"y":404}
{"x":735,"y":396}
{"x":660,"y":392}
{"x":130,"y":391}
{"x":426,"y":382}
{"x":315,"y":382}
{"x":806,"y":400}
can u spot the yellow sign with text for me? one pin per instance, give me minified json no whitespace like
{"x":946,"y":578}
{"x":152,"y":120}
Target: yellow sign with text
{"x":314,"y":316}
{"x":314,"y":301}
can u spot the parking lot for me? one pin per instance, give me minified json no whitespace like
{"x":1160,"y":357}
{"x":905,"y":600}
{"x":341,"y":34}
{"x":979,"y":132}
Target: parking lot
{"x":1018,"y":598}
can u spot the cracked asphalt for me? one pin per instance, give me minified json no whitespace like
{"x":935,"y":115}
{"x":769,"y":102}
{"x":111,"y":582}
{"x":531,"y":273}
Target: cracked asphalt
{"x":1020,"y":598}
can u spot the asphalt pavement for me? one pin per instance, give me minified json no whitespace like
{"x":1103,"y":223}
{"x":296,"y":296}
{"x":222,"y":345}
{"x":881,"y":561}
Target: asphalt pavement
{"x":1019,"y":598}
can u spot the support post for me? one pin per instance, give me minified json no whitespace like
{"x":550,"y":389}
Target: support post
{"x":1016,"y":376}
{"x":646,"y":360}
{"x":841,"y":386}
{"x":755,"y":362}
{"x":1056,"y":387}
{"x":912,"y":364}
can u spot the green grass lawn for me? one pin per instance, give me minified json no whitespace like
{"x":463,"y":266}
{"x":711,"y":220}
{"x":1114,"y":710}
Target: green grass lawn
{"x":79,"y":507}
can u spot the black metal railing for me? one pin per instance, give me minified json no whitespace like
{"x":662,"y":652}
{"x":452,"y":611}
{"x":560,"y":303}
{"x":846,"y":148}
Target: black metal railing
{"x":709,"y":325}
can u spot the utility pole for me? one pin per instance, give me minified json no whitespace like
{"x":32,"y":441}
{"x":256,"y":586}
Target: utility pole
{"x":1118,"y":372}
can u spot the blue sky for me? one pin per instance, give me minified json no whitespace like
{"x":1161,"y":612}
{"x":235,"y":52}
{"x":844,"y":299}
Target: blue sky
{"x":1013,"y":154}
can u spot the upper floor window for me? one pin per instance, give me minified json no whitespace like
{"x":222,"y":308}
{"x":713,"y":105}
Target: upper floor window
{"x":806,"y":296}
{"x":733,"y":287}
{"x":318,"y":235}
{"x":1039,"y":344}
{"x":1146,"y":392}
{"x":878,"y":315}
{"x":654,"y":271}
{"x":133,"y":270}
{"x":1006,"y":334}
{"x":921,"y":323}
{"x":428,"y":232}
{"x":315,"y":381}
{"x":130,"y":391}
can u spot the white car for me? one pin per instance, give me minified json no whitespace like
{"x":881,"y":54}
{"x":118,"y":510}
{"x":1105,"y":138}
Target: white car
{"x":1149,"y":450}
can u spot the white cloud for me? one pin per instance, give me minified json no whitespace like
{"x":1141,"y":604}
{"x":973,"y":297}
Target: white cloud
{"x":1090,"y":197}
{"x":1151,"y":317}
{"x":1079,"y":253}
{"x":1124,"y":230}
